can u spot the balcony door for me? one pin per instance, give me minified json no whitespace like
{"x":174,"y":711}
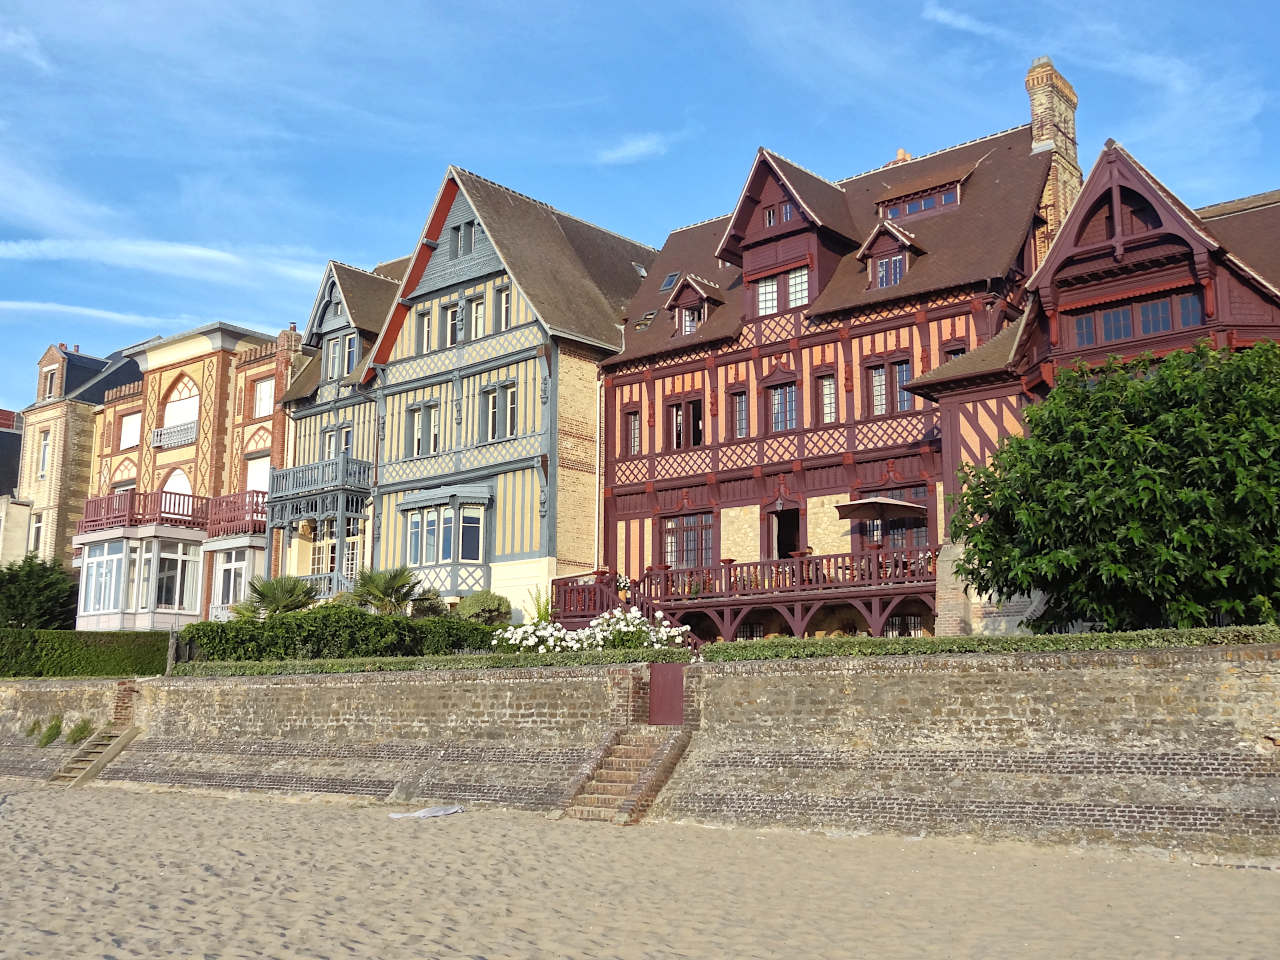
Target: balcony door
{"x":178,"y":482}
{"x":257,"y":473}
{"x":785,"y":526}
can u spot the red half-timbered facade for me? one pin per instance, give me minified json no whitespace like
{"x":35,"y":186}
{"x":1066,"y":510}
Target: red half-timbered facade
{"x":766,"y":469}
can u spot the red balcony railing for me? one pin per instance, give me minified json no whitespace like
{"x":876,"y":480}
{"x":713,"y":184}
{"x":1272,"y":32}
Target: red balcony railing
{"x":129,"y":508}
{"x":238,"y":513}
{"x":577,"y":598}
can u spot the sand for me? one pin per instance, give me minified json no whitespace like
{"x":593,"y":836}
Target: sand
{"x":116,"y":872}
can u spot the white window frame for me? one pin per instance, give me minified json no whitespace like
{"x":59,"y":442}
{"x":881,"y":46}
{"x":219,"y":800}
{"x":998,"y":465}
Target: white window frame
{"x":511,"y":412}
{"x":767,"y":296}
{"x":465,"y":513}
{"x":43,"y":463}
{"x":351,"y":352}
{"x":37,"y":532}
{"x":101,"y":580}
{"x":490,"y":415}
{"x":798,"y":287}
{"x":878,"y":394}
{"x":415,"y":432}
{"x":50,"y":379}
{"x":413,"y":540}
{"x":827,"y":397}
{"x":692,"y":316}
{"x":130,"y":438}
{"x":330,"y":441}
{"x":451,"y":316}
{"x":505,"y":308}
{"x":264,"y":400}
{"x":230,"y":576}
{"x":770,"y":216}
{"x":346,"y":440}
{"x":478,"y":319}
{"x":433,"y":428}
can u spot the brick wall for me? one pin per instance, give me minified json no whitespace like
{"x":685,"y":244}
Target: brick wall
{"x":577,"y":485}
{"x":1170,"y":748}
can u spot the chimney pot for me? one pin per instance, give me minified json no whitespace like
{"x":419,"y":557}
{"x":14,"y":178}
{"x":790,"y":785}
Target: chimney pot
{"x":76,"y":348}
{"x":293,"y":326}
{"x":62,"y":346}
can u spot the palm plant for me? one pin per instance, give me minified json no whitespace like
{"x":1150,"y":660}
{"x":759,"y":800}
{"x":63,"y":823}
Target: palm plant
{"x":278,"y":595}
{"x":390,"y":591}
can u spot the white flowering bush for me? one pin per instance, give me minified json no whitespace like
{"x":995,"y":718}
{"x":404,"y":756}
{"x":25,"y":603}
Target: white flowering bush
{"x":612,"y":630}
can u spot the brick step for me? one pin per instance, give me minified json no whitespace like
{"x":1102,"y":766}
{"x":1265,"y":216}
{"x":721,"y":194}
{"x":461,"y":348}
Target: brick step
{"x":622,"y":764}
{"x":590,"y":813}
{"x":643,"y":737}
{"x":607,"y":788}
{"x":616,"y":776}
{"x":623,"y":752}
{"x":597,"y":800}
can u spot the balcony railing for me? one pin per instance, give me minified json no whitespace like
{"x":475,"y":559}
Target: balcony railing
{"x":832,"y":575}
{"x":238,"y":513}
{"x":129,"y":508}
{"x":178,"y":435}
{"x":342,"y":472}
{"x":328,"y":584}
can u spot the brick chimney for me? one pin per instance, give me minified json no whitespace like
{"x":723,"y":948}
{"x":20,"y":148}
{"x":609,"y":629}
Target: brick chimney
{"x":1053,"y":128}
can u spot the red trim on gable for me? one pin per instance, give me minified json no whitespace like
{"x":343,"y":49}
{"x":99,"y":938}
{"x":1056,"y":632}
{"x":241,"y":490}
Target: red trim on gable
{"x":777,"y":268}
{"x":1130,"y":294}
{"x":413,"y":276}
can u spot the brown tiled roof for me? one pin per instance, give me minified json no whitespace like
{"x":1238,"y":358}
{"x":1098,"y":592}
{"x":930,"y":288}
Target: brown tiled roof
{"x":924,"y":179}
{"x":367,"y":297}
{"x":825,"y":200}
{"x":305,"y":381}
{"x":992,"y":358}
{"x":1250,"y":230}
{"x":393,"y":269}
{"x":577,"y":276}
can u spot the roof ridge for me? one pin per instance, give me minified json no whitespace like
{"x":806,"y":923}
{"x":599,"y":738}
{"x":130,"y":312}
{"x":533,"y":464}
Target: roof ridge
{"x":370,"y":273}
{"x":696,"y":276}
{"x":933,"y":153}
{"x":553,"y":209}
{"x":799,"y":166}
{"x":1203,"y":212}
{"x":700,"y":223}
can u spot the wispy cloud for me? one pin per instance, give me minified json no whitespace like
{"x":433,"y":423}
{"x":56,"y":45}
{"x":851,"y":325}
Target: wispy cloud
{"x":634,"y":148}
{"x":958,"y":20}
{"x":29,"y":307}
{"x":22,"y":43}
{"x":35,"y":200}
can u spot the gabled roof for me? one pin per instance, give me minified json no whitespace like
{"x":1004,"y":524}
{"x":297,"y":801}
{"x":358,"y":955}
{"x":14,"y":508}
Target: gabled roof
{"x":706,"y":289}
{"x":367,"y":296}
{"x":895,"y":230}
{"x":393,"y":269}
{"x":993,"y":359}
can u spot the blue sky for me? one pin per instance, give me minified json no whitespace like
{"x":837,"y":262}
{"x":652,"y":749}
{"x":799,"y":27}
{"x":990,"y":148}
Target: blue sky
{"x":167,"y":164}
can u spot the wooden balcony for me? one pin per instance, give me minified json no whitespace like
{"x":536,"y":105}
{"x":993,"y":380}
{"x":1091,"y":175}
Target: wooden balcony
{"x":129,"y":508}
{"x":761,"y":583}
{"x":341,"y":473}
{"x":238,"y":514}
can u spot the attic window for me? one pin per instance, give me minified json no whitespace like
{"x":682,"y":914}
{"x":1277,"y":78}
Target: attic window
{"x":787,"y":211}
{"x":770,"y":216}
{"x":690,"y":317}
{"x":889,"y":270}
{"x":643,"y":322}
{"x":921,"y":202}
{"x":669,"y":281}
{"x":640,"y":269}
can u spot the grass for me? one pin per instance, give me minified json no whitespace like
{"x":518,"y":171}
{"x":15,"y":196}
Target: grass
{"x":33,"y":728}
{"x":52,"y":732}
{"x":82,"y":730}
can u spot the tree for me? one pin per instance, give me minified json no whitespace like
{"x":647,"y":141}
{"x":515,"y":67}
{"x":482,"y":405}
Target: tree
{"x":278,"y":595}
{"x":1143,"y":494}
{"x":37,"y":594}
{"x":391,"y":591}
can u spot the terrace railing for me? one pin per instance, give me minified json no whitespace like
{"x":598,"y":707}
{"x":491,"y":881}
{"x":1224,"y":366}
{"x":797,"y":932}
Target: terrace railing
{"x":584,"y":597}
{"x":238,"y":513}
{"x":341,"y":472}
{"x":129,"y":508}
{"x":329,"y":584}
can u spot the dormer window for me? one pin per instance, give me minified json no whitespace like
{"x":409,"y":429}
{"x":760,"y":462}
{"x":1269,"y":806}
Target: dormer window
{"x":920,"y":202}
{"x":770,"y":216}
{"x":669,"y":281}
{"x":690,"y":317}
{"x":50,"y":377}
{"x":889,"y":270}
{"x":351,"y":351}
{"x":337,"y":308}
{"x":787,"y":212}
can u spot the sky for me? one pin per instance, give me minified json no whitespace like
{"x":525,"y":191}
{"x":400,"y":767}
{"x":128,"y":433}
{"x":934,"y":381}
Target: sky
{"x":167,"y":164}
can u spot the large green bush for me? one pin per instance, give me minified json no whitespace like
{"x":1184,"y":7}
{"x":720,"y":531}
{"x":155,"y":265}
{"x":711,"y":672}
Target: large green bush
{"x":334,"y":631}
{"x":37,"y":594}
{"x":82,"y":653}
{"x":485,"y":606}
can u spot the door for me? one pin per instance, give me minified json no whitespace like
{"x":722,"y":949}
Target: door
{"x":786,"y":533}
{"x":666,"y":693}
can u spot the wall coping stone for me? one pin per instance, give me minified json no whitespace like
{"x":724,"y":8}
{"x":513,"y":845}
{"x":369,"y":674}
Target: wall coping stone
{"x":421,"y":677}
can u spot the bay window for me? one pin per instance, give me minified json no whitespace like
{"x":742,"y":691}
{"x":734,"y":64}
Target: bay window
{"x":102,"y":580}
{"x":230,"y":576}
{"x":177,"y":576}
{"x":469,"y":542}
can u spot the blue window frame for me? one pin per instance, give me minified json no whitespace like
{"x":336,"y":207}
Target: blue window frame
{"x":1156,"y":317}
{"x":1117,"y":324}
{"x":1191,"y":310}
{"x":1084,"y":330}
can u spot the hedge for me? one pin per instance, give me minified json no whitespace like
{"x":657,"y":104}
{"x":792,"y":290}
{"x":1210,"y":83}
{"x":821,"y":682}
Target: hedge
{"x":82,"y":653}
{"x":793,"y":648}
{"x":481,"y":661}
{"x":334,"y":631}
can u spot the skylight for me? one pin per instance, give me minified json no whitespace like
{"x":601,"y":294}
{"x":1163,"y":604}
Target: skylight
{"x":643,"y":322}
{"x":669,"y":281}
{"x":640,"y":269}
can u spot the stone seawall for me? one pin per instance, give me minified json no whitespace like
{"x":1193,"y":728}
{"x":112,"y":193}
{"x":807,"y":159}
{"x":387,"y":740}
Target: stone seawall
{"x":1170,"y":747}
{"x":24,"y":702}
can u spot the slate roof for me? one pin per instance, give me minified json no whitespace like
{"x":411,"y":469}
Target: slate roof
{"x":978,"y":239}
{"x":992,"y":359}
{"x":578,"y":276}
{"x":367,"y":296}
{"x":1250,"y":228}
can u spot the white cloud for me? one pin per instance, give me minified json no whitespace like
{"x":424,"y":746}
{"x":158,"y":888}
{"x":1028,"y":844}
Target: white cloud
{"x":962,"y":21}
{"x":33,"y":199}
{"x":633,"y":148}
{"x":22,"y":43}
{"x":93,"y":313}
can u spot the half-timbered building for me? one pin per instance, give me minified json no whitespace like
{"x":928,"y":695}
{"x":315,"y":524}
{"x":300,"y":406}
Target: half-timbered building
{"x":485,"y":378}
{"x":766,"y":469}
{"x":1134,"y":270}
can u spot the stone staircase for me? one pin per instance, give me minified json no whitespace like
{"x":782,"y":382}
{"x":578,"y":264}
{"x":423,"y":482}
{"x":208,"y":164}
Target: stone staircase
{"x":630,"y":769}
{"x":103,"y":747}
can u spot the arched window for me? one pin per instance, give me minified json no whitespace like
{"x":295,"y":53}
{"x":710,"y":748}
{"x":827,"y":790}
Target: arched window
{"x":183,"y":405}
{"x":177,"y":482}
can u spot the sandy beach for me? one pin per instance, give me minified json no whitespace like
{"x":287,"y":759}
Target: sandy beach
{"x":114,"y":873}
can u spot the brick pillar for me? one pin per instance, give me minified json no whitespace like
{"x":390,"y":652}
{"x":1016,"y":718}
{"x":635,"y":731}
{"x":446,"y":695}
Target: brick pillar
{"x":629,"y":695}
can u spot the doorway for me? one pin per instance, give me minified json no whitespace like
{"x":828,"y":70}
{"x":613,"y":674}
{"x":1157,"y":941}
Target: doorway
{"x":786,"y":533}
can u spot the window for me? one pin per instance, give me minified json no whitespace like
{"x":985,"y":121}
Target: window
{"x":264,"y":397}
{"x":787,"y":212}
{"x":782,"y":407}
{"x":675,"y":426}
{"x":770,"y":216}
{"x":101,"y":580}
{"x":177,"y":576}
{"x":491,"y":415}
{"x":1117,"y":324}
{"x":504,"y":310}
{"x":928,"y":203}
{"x":337,"y":308}
{"x":948,"y":196}
{"x":901,"y":377}
{"x":469,"y":543}
{"x":37,"y":532}
{"x":413,"y":442}
{"x":954,"y":352}
{"x":50,"y":376}
{"x":446,"y":535}
{"x":1084,"y":330}
{"x":478,"y":328}
{"x":798,"y":287}
{"x":904,"y":625}
{"x":669,"y":281}
{"x":183,"y":405}
{"x":330,"y":441}
{"x":257,"y":473}
{"x":827,"y":398}
{"x":893,"y":212}
{"x":414,"y":550}
{"x":1190,"y":310}
{"x":686,"y":541}
{"x":509,"y":398}
{"x":889,"y":271}
{"x":749,"y":631}
{"x":468,"y":237}
{"x":913,"y":206}
{"x":346,"y":437}
{"x":331,"y":359}
{"x":690,"y":318}
{"x":876,"y":391}
{"x":430,"y":538}
{"x":324,"y":548}
{"x":740,"y":424}
{"x":767,"y":296}
{"x":685,"y":423}
{"x":422,"y":328}
{"x":1155,"y":316}
{"x":451,"y":326}
{"x":352,"y":352}
{"x":644,"y":322}
{"x":633,"y":433}
{"x":229,"y":578}
{"x":433,"y":429}
{"x":44,"y":453}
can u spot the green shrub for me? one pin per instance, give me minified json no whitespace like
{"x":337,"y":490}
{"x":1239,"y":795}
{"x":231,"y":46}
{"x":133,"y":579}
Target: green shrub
{"x":334,"y":631}
{"x":82,"y":653}
{"x":792,"y":648}
{"x":34,"y":726}
{"x":484,"y":661}
{"x":52,"y":732}
{"x":485,"y":606}
{"x":428,"y":604}
{"x":37,"y":594}
{"x":81,"y":731}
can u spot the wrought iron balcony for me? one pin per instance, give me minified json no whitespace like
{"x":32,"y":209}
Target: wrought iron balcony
{"x":129,"y":508}
{"x":178,"y":435}
{"x":341,"y":473}
{"x":238,"y":513}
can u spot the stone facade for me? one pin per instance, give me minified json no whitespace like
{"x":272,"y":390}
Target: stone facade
{"x":24,"y":702}
{"x":57,"y":493}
